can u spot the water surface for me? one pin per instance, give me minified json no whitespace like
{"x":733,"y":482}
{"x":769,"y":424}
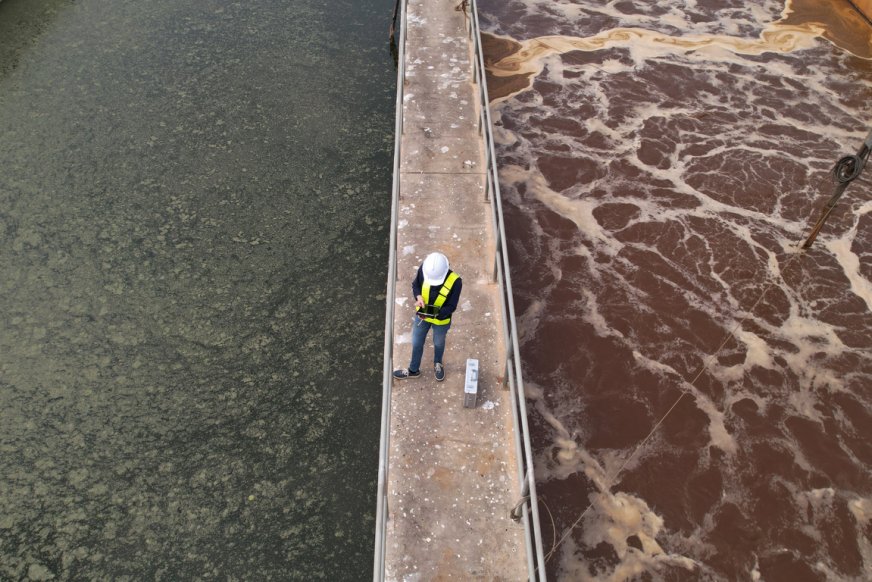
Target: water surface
{"x":193,"y":204}
{"x":703,"y":390}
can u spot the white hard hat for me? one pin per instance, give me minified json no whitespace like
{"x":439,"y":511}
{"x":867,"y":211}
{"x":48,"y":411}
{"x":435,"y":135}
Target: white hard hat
{"x":435,"y":268}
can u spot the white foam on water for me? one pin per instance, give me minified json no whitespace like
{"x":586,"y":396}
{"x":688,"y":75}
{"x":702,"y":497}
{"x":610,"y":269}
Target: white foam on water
{"x":861,"y":509}
{"x":781,"y":122}
{"x":755,"y":570}
{"x":578,"y":210}
{"x":842,"y":249}
{"x":718,"y":433}
{"x":613,"y":520}
{"x":595,"y":318}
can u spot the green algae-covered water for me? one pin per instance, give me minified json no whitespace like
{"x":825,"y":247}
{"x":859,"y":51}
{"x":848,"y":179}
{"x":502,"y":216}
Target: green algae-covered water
{"x":193,"y":239}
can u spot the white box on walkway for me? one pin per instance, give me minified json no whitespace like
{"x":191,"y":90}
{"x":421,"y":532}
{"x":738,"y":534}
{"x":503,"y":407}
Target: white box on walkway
{"x":470,"y":389}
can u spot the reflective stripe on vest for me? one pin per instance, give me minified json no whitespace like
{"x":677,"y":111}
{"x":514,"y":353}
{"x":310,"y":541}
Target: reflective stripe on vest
{"x":443,"y":293}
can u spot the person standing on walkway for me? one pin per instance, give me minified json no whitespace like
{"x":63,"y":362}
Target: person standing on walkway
{"x":436,"y":289}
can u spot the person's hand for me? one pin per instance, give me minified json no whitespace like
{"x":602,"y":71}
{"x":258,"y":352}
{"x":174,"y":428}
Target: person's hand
{"x":419,"y":302}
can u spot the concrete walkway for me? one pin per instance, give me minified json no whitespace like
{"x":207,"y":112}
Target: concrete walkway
{"x":452,"y":478}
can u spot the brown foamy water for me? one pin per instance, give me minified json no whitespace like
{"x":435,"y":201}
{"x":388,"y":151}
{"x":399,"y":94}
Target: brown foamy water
{"x":702,"y":388}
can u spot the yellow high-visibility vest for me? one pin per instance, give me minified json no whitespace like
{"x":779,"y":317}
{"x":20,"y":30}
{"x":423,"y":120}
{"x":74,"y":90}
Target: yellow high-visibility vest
{"x":443,"y":293}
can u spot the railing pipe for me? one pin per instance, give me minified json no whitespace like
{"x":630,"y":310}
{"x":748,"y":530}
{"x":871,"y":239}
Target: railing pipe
{"x":381,"y":512}
{"x":519,"y":444}
{"x":531,"y":482}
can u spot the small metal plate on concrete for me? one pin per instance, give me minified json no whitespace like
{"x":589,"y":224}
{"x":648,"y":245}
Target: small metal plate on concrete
{"x":470,"y":389}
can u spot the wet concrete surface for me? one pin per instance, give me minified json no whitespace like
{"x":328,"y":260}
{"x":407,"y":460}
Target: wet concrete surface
{"x":192,"y":247}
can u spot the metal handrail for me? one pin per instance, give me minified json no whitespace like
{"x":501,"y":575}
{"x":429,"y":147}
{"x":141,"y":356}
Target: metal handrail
{"x":381,"y":512}
{"x":529,"y":508}
{"x":535,"y":555}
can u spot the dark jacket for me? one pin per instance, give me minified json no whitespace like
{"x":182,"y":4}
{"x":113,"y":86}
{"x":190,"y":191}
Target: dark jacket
{"x":450,"y":302}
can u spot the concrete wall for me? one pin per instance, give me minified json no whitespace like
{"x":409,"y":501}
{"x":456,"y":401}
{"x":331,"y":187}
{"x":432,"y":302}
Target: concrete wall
{"x":864,"y":6}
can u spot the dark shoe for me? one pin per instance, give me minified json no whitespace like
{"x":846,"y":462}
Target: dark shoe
{"x":440,"y":372}
{"x":404,"y":373}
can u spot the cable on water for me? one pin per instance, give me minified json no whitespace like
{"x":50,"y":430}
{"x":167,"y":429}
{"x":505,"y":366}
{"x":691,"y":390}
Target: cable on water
{"x":553,"y":526}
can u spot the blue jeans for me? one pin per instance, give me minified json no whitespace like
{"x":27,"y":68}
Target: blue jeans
{"x":419,"y":334}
